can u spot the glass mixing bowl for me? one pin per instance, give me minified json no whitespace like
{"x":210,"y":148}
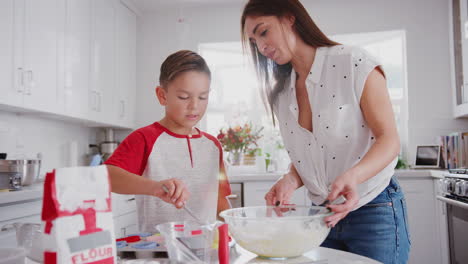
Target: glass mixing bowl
{"x":278,"y":232}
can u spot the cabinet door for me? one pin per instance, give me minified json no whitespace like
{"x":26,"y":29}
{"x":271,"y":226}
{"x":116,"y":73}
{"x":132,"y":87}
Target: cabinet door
{"x":423,"y":227}
{"x":125,"y":225}
{"x":124,"y":102}
{"x":441,"y":220}
{"x":10,"y":73}
{"x":43,"y":44}
{"x":254,"y":193}
{"x":77,"y":58}
{"x":123,"y":204}
{"x":103,"y":61}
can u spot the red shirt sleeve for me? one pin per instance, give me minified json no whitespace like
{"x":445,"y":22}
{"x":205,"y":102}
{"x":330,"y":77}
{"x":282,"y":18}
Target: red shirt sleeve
{"x":132,"y":154}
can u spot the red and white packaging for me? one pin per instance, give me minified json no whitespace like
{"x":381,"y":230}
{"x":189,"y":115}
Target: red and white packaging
{"x":77,"y":217}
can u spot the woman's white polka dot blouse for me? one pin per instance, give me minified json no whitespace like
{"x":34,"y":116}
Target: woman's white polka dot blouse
{"x":340,"y":136}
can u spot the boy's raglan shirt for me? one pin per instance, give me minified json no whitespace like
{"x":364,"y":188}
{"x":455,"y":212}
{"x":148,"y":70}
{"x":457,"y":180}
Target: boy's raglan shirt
{"x":156,"y":153}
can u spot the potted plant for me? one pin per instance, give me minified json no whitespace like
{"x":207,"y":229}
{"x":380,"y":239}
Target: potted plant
{"x":238,"y":140}
{"x":250,"y":156}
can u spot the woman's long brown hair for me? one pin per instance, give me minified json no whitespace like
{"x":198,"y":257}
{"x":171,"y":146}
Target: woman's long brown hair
{"x":303,"y":25}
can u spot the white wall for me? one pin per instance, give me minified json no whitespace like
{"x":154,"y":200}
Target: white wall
{"x":427,"y":30}
{"x":24,"y":135}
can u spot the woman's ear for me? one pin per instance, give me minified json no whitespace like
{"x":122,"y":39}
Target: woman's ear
{"x":161,"y":94}
{"x":290,"y":19}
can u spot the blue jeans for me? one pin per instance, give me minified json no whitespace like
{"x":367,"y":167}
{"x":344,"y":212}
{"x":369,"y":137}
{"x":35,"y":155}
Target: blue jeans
{"x":377,"y":230}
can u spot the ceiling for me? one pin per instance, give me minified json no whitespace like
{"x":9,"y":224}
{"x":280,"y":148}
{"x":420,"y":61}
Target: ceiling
{"x":157,"y":5}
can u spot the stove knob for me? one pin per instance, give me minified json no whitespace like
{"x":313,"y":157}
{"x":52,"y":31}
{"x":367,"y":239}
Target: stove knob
{"x":451,"y":185}
{"x":464,"y":187}
{"x":458,"y":188}
{"x":445,"y":186}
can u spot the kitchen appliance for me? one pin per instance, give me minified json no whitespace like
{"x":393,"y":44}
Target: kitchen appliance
{"x":453,"y":190}
{"x":17,"y":173}
{"x":108,"y":146}
{"x":236,"y":198}
{"x":278,"y":232}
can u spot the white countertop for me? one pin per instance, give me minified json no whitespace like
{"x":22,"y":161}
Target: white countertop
{"x":35,"y":191}
{"x":418,"y":173}
{"x":320,"y":255}
{"x":257,"y":176}
{"x":273,"y":176}
{"x":30,"y":192}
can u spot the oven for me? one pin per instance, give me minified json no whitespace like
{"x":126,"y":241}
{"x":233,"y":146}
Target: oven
{"x":236,"y":198}
{"x":453,"y":190}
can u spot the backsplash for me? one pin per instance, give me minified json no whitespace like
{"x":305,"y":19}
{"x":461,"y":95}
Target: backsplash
{"x":60,"y":143}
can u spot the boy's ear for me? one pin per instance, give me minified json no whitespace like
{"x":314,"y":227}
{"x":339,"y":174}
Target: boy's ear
{"x":161,"y":94}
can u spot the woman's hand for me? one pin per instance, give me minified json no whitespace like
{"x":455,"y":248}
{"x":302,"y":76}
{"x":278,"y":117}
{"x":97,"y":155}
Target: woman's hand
{"x":177,"y":194}
{"x":282,"y":191}
{"x":345,"y":185}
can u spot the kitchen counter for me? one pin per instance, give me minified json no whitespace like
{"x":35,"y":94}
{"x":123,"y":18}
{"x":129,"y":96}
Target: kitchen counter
{"x":273,"y":176}
{"x":418,"y":173}
{"x":35,"y":190}
{"x":31,"y":192}
{"x":319,"y":255}
{"x":251,"y":177}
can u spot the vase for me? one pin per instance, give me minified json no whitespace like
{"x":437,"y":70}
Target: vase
{"x":249,"y":160}
{"x":235,"y":158}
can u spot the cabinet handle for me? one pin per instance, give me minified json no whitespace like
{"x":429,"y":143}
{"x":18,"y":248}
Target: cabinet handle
{"x":131,"y":199}
{"x":123,"y":232}
{"x":20,"y":85}
{"x":7,"y":227}
{"x":232,"y":196}
{"x":99,"y":101}
{"x":30,"y":82}
{"x":95,"y":104}
{"x":122,"y":108}
{"x":93,"y":100}
{"x":96,"y":98}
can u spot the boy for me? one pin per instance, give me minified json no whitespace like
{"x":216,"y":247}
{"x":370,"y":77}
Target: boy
{"x":172,"y":152}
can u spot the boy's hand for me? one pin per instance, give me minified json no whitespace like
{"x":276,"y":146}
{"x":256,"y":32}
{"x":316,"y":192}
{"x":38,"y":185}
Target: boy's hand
{"x":177,"y":194}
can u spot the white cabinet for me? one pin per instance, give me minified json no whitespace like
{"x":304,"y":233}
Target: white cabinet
{"x":124,"y":102}
{"x":100,"y":62}
{"x":423,"y":218}
{"x":442,"y":226}
{"x":43,"y":43}
{"x":254,"y":193}
{"x":73,"y":58}
{"x":10,"y":82}
{"x":22,"y":212}
{"x":459,"y":41}
{"x":125,"y":214}
{"x":103,"y":64}
{"x":74,"y":95}
{"x":31,"y":44}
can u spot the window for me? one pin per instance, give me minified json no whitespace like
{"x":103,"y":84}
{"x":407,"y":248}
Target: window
{"x":389,"y":47}
{"x":235,"y":96}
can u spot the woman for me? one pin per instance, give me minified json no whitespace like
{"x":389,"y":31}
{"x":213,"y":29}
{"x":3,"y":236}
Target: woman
{"x":337,"y":123}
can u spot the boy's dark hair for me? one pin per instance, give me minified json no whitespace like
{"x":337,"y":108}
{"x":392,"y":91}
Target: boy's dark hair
{"x":180,"y":62}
